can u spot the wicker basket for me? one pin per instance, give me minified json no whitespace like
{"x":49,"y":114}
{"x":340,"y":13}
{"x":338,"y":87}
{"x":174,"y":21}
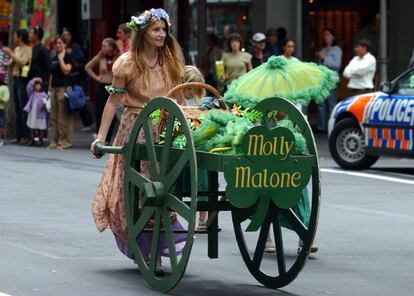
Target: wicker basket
{"x":194,"y":112}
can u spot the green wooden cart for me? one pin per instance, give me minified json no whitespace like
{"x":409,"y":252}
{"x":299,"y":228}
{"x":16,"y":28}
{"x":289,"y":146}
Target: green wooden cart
{"x":250,"y":201}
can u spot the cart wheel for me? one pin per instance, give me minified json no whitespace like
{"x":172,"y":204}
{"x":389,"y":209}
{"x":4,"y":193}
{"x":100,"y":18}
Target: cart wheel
{"x":149,"y":203}
{"x":272,"y":276}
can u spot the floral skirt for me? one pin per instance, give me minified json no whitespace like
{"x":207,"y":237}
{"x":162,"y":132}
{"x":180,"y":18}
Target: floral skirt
{"x":108,"y":206}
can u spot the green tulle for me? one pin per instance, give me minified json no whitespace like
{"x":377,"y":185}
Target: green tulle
{"x":298,"y":82}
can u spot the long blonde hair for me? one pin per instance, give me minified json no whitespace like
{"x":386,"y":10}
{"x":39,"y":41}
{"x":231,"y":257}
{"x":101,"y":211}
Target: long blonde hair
{"x":170,"y":54}
{"x":193,"y":74}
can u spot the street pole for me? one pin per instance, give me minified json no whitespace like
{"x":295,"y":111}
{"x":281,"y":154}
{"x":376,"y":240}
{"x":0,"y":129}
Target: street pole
{"x":14,"y":26}
{"x":299,"y":31}
{"x":383,"y":41}
{"x":202,"y":31}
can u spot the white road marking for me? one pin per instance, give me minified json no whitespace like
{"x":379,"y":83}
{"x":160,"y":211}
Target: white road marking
{"x":51,"y":256}
{"x":367,"y":175}
{"x":4,"y":294}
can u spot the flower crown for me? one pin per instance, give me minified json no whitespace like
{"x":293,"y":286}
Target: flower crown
{"x":147,"y":17}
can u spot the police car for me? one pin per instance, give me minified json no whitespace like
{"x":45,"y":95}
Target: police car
{"x":363,"y":127}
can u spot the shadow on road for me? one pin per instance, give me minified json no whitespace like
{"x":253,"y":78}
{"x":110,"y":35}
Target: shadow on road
{"x":407,"y":171}
{"x":126,"y":276}
{"x":189,"y":286}
{"x":208,"y":288}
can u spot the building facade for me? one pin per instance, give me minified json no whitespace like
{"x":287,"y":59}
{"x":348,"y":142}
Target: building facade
{"x":304,"y":20}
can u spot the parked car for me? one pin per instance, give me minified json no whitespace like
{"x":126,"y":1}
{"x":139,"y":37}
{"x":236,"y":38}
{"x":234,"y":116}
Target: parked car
{"x":364,"y":127}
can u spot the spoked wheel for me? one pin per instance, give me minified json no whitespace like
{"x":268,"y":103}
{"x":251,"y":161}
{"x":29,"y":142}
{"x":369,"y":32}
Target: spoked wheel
{"x":152,"y":200}
{"x":281,"y":268}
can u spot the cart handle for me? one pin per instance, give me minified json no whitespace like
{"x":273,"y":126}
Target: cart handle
{"x":173,"y":92}
{"x":103,"y":149}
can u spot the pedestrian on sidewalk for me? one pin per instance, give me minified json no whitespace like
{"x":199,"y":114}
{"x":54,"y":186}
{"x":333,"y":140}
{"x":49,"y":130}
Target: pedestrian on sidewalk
{"x":75,"y":50}
{"x":124,"y":38}
{"x":60,"y":80}
{"x":4,"y":59}
{"x":361,"y":69}
{"x":258,"y":52}
{"x":330,"y":56}
{"x":104,"y":60}
{"x":36,"y":111}
{"x":152,"y":66}
{"x":4,"y":98}
{"x":20,"y":61}
{"x":78,"y":75}
{"x":288,"y":50}
{"x":227,"y":31}
{"x":212,"y":55}
{"x":40,"y":64}
{"x":273,"y":45}
{"x":236,"y":62}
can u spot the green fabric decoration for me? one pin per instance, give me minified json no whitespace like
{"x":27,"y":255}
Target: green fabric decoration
{"x":221,"y":129}
{"x":224,"y":129}
{"x":298,"y":82}
{"x":302,"y":210}
{"x":111,"y":89}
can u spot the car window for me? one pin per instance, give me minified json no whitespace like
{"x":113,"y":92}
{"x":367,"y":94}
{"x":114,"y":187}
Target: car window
{"x":403,"y":85}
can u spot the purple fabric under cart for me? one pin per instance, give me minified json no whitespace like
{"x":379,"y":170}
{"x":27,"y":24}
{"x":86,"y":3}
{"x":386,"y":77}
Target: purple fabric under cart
{"x":145,"y":239}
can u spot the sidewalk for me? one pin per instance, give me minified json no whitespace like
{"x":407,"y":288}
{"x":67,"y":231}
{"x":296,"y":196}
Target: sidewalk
{"x":83,"y":140}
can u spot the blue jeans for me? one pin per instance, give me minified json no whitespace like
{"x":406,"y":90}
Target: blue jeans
{"x":20,"y":100}
{"x":325,"y":110}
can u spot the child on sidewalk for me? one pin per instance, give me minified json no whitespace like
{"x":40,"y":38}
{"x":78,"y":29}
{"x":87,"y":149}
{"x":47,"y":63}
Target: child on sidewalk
{"x":4,"y":98}
{"x":36,"y":109}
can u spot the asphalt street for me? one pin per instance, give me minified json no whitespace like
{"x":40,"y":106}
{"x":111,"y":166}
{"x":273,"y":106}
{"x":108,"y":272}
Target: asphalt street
{"x":49,"y":244}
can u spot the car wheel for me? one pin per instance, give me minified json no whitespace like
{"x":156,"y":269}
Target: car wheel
{"x":347,"y":146}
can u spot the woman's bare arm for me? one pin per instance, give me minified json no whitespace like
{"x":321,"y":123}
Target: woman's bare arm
{"x":107,"y":117}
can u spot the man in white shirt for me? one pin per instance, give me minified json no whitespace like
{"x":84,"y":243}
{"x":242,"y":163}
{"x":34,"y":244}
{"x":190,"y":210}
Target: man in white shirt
{"x":361,"y":69}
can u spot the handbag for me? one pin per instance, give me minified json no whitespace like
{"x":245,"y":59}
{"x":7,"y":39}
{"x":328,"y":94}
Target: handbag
{"x":76,"y":98}
{"x":25,"y":70}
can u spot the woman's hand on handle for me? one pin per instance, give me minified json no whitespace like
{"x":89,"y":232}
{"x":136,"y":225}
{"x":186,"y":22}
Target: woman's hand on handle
{"x":107,"y":116}
{"x":94,"y":153}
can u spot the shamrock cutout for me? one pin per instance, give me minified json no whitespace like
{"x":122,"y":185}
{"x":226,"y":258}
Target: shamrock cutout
{"x":268,"y":172}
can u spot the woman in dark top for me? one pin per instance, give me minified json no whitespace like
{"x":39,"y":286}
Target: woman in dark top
{"x":60,"y":80}
{"x":78,"y":74}
{"x":74,"y":49}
